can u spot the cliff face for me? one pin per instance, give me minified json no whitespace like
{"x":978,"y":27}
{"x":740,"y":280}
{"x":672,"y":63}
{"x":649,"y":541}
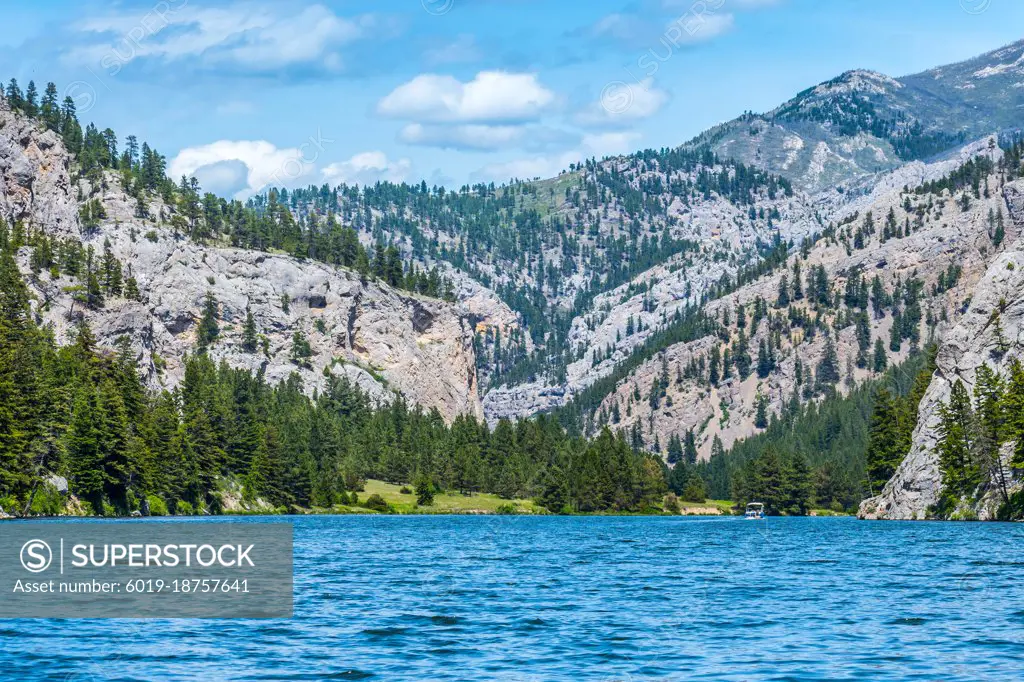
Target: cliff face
{"x":384,"y":340}
{"x":376,"y":336}
{"x":35,"y":187}
{"x":972,"y":342}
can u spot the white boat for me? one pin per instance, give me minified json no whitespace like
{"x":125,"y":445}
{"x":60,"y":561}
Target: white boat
{"x":755,"y":510}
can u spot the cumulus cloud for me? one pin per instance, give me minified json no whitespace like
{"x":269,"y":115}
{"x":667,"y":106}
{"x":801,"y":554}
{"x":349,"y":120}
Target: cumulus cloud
{"x":265,"y":165}
{"x":368,"y":168}
{"x":224,"y":178}
{"x":621,"y":102}
{"x":243,"y":36}
{"x":493,"y":96}
{"x":549,"y":165}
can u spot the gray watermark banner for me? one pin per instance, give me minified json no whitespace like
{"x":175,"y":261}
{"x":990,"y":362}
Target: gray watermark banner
{"x":146,"y":570}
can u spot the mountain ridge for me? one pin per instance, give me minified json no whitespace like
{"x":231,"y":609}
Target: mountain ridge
{"x":696,"y":292}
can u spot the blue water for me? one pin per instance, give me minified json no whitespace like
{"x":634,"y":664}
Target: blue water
{"x":519,"y":598}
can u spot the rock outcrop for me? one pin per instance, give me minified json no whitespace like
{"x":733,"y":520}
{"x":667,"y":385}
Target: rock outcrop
{"x":379,"y":337}
{"x":385,"y":340}
{"x":35,"y":187}
{"x":974,"y":341}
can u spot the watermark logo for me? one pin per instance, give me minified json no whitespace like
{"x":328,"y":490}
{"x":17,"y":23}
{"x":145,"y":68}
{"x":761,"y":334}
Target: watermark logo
{"x":617,"y":97}
{"x":437,"y":7}
{"x":83,"y":94}
{"x":975,"y":6}
{"x":36,"y":556}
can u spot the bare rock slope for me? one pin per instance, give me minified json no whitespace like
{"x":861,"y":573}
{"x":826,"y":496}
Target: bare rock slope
{"x":974,"y":341}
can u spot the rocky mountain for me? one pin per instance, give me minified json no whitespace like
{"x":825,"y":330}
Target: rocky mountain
{"x":845,"y":130}
{"x":384,"y":340}
{"x":699,"y":292}
{"x":990,"y":332}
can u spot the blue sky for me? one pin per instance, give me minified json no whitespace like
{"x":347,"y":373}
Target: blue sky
{"x":246,"y":94}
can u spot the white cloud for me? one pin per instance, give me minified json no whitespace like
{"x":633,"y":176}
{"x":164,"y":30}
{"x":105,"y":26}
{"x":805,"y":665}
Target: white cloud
{"x":368,"y":168}
{"x":690,"y":23}
{"x":492,"y":96}
{"x":246,"y":35}
{"x":628,"y":29}
{"x":266,"y":164}
{"x":622,"y":102}
{"x":550,"y":165}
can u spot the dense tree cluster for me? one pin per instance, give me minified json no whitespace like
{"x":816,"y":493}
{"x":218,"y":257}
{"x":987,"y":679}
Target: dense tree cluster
{"x":972,"y":435}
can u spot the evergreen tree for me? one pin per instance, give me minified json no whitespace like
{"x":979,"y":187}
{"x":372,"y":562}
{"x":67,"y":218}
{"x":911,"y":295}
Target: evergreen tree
{"x":690,"y":447}
{"x":880,"y":361}
{"x":209,"y":328}
{"x":958,"y":438}
{"x":250,"y":338}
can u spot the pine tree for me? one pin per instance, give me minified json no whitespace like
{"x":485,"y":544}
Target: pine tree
{"x":827,"y":374}
{"x":783,"y":298}
{"x":301,"y":350}
{"x":991,"y":422}
{"x":209,"y":329}
{"x":675,"y":450}
{"x":690,"y":447}
{"x":958,"y":438}
{"x":885,"y":446}
{"x":761,"y":417}
{"x":880,"y":361}
{"x":250,"y":338}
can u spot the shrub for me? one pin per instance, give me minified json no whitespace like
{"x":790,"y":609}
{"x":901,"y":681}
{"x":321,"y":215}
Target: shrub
{"x":183,"y":508}
{"x":9,"y":504}
{"x":151,"y":236}
{"x":695,"y":490}
{"x":376,"y":503}
{"x":47,"y":501}
{"x":405,"y":490}
{"x":507,"y":509}
{"x":1013,"y":509}
{"x":157,"y":506}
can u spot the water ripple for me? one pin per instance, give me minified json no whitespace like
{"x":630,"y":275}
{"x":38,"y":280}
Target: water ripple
{"x":602,"y":599}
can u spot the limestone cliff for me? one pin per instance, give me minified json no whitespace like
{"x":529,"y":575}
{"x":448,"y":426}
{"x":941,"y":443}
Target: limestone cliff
{"x":973,"y":342}
{"x":35,"y":186}
{"x":384,"y":340}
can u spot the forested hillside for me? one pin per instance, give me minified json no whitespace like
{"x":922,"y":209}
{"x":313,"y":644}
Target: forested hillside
{"x":710,"y":306}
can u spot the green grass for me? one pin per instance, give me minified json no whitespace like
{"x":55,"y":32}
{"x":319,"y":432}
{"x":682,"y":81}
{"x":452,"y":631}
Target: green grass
{"x":724,"y":506}
{"x":405,"y":503}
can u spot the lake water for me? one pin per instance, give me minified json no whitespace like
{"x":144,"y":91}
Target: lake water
{"x":600,"y":598}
